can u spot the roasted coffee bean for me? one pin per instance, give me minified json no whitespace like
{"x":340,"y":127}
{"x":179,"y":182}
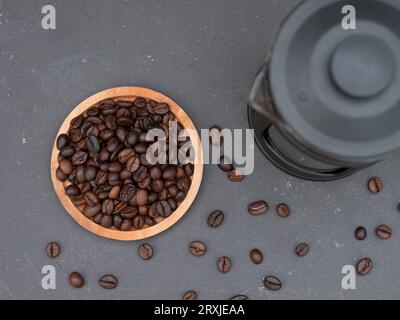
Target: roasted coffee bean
{"x":139,"y":102}
{"x":114,"y":192}
{"x":225,"y":164}
{"x":119,"y":207}
{"x":257,"y":207}
{"x":125,"y":154}
{"x":125,"y":121}
{"x":62,"y":141}
{"x":172,"y":203}
{"x":90,"y":173}
{"x":92,"y":144}
{"x":115,"y":166}
{"x":272,"y":283}
{"x":133,"y":164}
{"x":67,"y":151}
{"x":197,"y":248}
{"x":107,"y":206}
{"x":127,"y":192}
{"x":94,"y":111}
{"x":235,"y":175}
{"x":360,"y":233}
{"x":74,"y":135}
{"x":93,"y":120}
{"x":111,"y":122}
{"x":108,"y":281}
{"x":139,"y":174}
{"x":79,"y":158}
{"x":76,"y":280}
{"x":132,"y":138}
{"x":97,"y":218}
{"x":364,"y":266}
{"x":302,"y":249}
{"x":106,"y":221}
{"x":125,"y":174}
{"x":224,"y":264}
{"x":138,"y":222}
{"x":163,"y":208}
{"x":145,"y":183}
{"x":161,"y":108}
{"x":215,"y":135}
{"x":169,"y":173}
{"x":61,"y":175}
{"x":375,"y":185}
{"x":383,"y":231}
{"x":140,"y":147}
{"x":188,"y":169}
{"x":143,"y":210}
{"x":283,"y":210}
{"x":65,"y":166}
{"x":53,"y":250}
{"x":128,"y":212}
{"x":77,"y":121}
{"x":126,"y":225}
{"x":184,"y":183}
{"x":173,"y":190}
{"x":117,"y":221}
{"x":145,"y":251}
{"x":141,"y":197}
{"x":256,"y":256}
{"x":239,"y":297}
{"x":215,"y":218}
{"x":180,"y":196}
{"x":104,"y":156}
{"x":72,"y":190}
{"x":114,"y":179}
{"x":106,"y":134}
{"x":189,"y":295}
{"x":101,"y":178}
{"x":80,"y":173}
{"x":149,"y":221}
{"x":91,"y":199}
{"x":78,"y":200}
{"x":90,"y":211}
{"x":155,"y":173}
{"x":60,"y":157}
{"x":112,"y":144}
{"x":157,"y":185}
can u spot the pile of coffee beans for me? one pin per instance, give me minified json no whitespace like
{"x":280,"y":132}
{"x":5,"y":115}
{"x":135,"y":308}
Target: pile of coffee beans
{"x":102,"y":162}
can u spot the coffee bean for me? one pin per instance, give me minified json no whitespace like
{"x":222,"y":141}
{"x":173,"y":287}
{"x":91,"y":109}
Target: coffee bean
{"x":132,"y":138}
{"x":91,"y":199}
{"x":283,"y":210}
{"x":107,"y":206}
{"x":375,"y":185}
{"x":79,"y":158}
{"x":224,"y":264}
{"x":138,"y":222}
{"x":125,"y":154}
{"x":78,"y":200}
{"x":92,"y":144}
{"x":184,"y":183}
{"x":190,"y":295}
{"x":61,"y":175}
{"x":364,"y":266}
{"x":106,"y":221}
{"x":215,"y":218}
{"x":72,"y":190}
{"x":225,"y":164}
{"x":76,"y":280}
{"x":117,"y":221}
{"x":114,"y":192}
{"x":126,"y":225}
{"x":53,"y":250}
{"x":197,"y":248}
{"x":62,"y":141}
{"x":129,"y":212}
{"x":140,"y":147}
{"x":139,"y":102}
{"x":188,"y":169}
{"x":360,"y":233}
{"x":272,"y":283}
{"x":163,"y":208}
{"x":90,"y":173}
{"x":145,"y":251}
{"x":239,"y":297}
{"x":90,"y":211}
{"x":180,"y":196}
{"x":383,"y":231}
{"x":235,"y":175}
{"x":172,"y":203}
{"x":108,"y":281}
{"x":115,"y":166}
{"x":302,"y":249}
{"x":139,"y":174}
{"x":169,"y":173}
{"x":133,"y":164}
{"x":74,"y":135}
{"x":65,"y":166}
{"x":114,"y":179}
{"x":67,"y":151}
{"x":141,"y":197}
{"x":157,"y":185}
{"x":127,"y":192}
{"x":155,"y":173}
{"x":257,"y":207}
{"x":149,"y":221}
{"x":215,"y":135}
{"x":256,"y":256}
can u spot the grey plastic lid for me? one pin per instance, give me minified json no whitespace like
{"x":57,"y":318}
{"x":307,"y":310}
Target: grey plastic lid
{"x":339,"y":90}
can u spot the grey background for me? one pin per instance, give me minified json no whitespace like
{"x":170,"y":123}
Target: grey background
{"x":203,"y":54}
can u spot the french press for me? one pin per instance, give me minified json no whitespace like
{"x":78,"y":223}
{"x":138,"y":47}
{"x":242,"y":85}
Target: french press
{"x":327,"y":101}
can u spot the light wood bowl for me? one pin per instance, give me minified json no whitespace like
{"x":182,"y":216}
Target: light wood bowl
{"x":129,"y":93}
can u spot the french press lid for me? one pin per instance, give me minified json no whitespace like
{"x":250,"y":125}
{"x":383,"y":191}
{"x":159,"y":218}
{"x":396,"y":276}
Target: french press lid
{"x":337,"y":90}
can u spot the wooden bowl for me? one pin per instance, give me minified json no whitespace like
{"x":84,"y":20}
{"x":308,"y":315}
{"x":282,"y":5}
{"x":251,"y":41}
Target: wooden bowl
{"x":129,"y":93}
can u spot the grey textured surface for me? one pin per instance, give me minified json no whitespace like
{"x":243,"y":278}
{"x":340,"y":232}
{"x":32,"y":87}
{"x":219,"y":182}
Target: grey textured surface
{"x":203,"y":54}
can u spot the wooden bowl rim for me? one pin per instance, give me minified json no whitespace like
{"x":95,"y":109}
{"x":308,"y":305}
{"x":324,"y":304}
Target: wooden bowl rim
{"x":128,"y":93}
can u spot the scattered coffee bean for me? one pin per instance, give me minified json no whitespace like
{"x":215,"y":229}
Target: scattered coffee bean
{"x":256,"y":256}
{"x":257,"y":207}
{"x":383,"y":231}
{"x":76,"y":280}
{"x":190,"y":295}
{"x":283,"y":210}
{"x":197,"y":248}
{"x":272,"y":283}
{"x":360,"y":233}
{"x":364,"y":266}
{"x":224,"y":264}
{"x":145,"y":251}
{"x":53,"y":250}
{"x":375,"y":185}
{"x":302,"y":249}
{"x":215,"y":218}
{"x":235,"y":175}
{"x":108,"y":281}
